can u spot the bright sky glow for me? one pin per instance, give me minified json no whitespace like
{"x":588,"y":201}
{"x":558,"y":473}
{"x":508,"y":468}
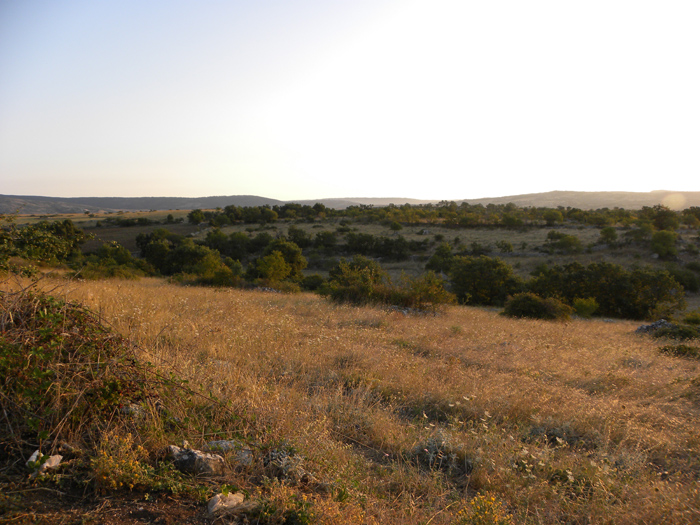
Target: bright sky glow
{"x":427,"y":99}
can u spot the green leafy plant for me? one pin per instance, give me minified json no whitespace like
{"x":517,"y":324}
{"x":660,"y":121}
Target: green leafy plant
{"x":534,"y":307}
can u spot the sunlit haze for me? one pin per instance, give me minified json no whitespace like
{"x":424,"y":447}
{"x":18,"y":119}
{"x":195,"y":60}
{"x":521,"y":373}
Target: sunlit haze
{"x":313,"y":99}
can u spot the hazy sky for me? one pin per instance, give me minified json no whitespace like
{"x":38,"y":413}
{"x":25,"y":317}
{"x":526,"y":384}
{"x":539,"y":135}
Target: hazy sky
{"x":304,"y":99}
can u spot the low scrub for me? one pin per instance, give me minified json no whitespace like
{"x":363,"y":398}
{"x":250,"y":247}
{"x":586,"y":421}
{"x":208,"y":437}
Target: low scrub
{"x":679,"y":332}
{"x":687,"y":351}
{"x":532,"y":306}
{"x":363,"y":281}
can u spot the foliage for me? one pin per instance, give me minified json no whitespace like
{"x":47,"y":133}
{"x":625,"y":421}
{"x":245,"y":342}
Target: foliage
{"x":532,"y":306}
{"x":196,"y":217}
{"x":441,"y":260}
{"x":687,"y":351}
{"x":685,"y":277}
{"x":692,"y":318}
{"x":358,"y":281}
{"x":49,"y":350}
{"x":363,"y":281}
{"x":679,"y":332}
{"x":663,"y":243}
{"x":44,"y":241}
{"x":272,"y":268}
{"x":641,"y":293}
{"x":112,"y":260}
{"x":482,"y":280}
{"x":585,"y":307}
{"x":291,"y":256}
{"x":608,"y":235}
{"x":662,"y":217}
{"x":563,"y":243}
{"x":484,"y":510}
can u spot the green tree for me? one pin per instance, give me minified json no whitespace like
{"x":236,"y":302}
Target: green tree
{"x":196,"y":217}
{"x":608,"y":235}
{"x":552,"y":217}
{"x":663,"y":243}
{"x":483,"y":280}
{"x":271,"y":267}
{"x":441,"y":261}
{"x":292,"y":256}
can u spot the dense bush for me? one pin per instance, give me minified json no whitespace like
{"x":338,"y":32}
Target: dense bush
{"x":49,"y":242}
{"x":680,"y":332}
{"x":687,"y":278}
{"x":363,"y":281}
{"x":563,"y":243}
{"x":640,"y":293}
{"x":483,"y":280}
{"x":534,"y":307}
{"x":585,"y":307}
{"x":686,"y":351}
{"x":663,"y":243}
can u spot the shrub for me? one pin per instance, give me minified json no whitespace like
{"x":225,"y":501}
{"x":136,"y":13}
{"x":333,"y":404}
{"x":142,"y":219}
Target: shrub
{"x":641,"y":293}
{"x":563,"y":243}
{"x":693,"y":318}
{"x":484,"y":510}
{"x":312,"y":282}
{"x":585,"y":307}
{"x":681,"y":351}
{"x":483,"y":280}
{"x":363,"y":281}
{"x":532,"y":306}
{"x":685,"y":277}
{"x":680,"y":332}
{"x":663,"y":243}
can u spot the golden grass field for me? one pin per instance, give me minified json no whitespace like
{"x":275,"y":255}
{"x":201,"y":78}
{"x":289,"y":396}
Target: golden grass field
{"x":408,"y":417}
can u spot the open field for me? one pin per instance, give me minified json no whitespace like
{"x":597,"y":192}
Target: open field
{"x":405,"y":419}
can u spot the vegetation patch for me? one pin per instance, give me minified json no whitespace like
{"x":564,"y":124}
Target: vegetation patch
{"x":691,"y":352}
{"x":532,"y":306}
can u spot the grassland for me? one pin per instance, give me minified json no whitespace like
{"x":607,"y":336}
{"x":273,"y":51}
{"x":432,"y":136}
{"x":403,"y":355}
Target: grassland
{"x":407,"y":418}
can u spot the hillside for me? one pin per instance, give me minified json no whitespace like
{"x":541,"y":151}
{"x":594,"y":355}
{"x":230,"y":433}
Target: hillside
{"x":36,"y":205}
{"x":363,"y":415}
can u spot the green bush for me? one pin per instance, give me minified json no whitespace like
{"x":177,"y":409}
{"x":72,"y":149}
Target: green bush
{"x":483,"y":280}
{"x":640,"y":293}
{"x":363,"y":281}
{"x":679,"y":332}
{"x":585,"y":307}
{"x":663,"y":243}
{"x":692,"y":318}
{"x":681,"y":351}
{"x":312,"y":282}
{"x":532,"y":306}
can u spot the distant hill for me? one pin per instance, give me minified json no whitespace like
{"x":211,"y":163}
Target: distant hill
{"x":591,"y":200}
{"x":36,"y":205}
{"x":32,"y":205}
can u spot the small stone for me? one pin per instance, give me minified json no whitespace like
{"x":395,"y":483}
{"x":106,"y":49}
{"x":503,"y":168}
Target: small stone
{"x":37,"y":462}
{"x":229,"y":505}
{"x":196,"y":462}
{"x":244,"y":455}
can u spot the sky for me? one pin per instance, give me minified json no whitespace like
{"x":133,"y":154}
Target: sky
{"x":306,"y":99}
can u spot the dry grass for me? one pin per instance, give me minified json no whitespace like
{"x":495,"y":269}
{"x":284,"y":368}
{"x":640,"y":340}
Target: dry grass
{"x":407,"y":417}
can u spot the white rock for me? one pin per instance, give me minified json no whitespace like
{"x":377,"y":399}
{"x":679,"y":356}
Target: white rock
{"x":51,"y":462}
{"x":229,"y":505}
{"x":244,"y":455}
{"x":196,"y":461}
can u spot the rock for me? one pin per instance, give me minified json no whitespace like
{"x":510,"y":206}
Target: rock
{"x":229,"y":505}
{"x":244,"y":455}
{"x":133,"y":410}
{"x":287,"y":467}
{"x":41,"y":465}
{"x":196,"y":462}
{"x":653,"y":327}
